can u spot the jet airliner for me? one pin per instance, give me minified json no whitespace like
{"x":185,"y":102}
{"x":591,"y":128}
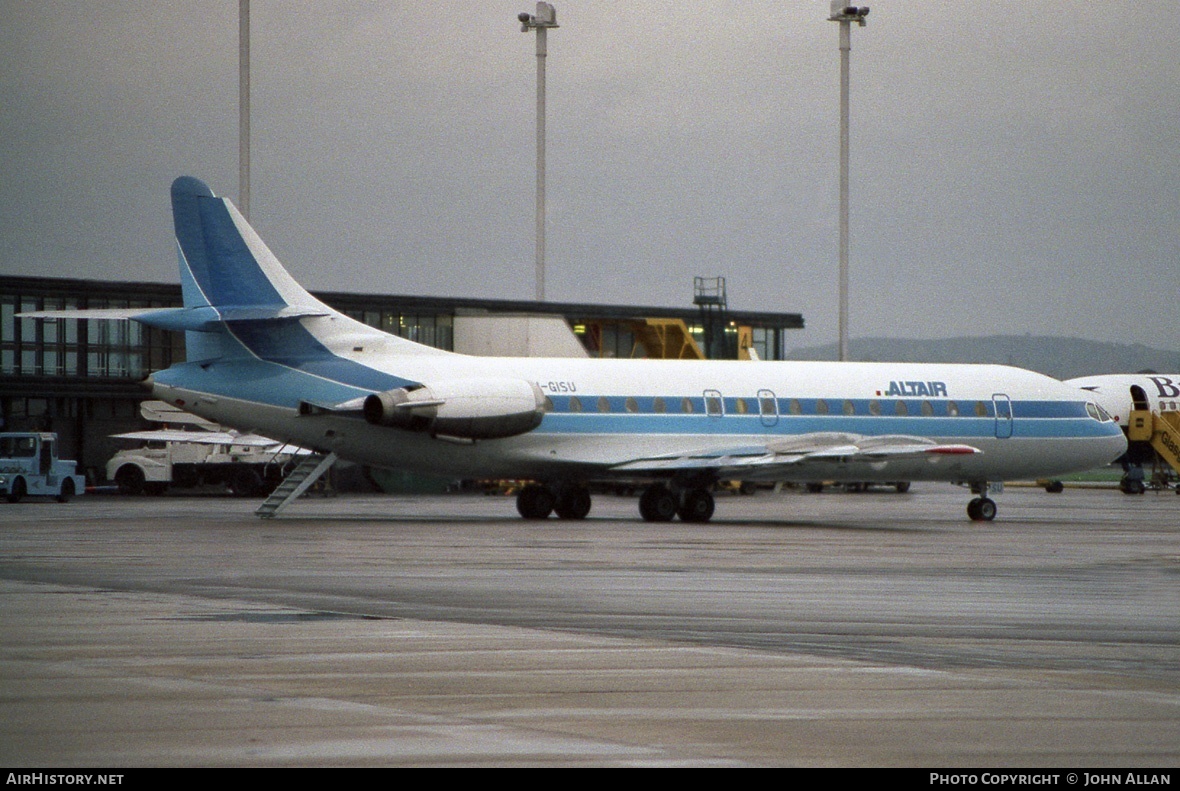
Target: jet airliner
{"x":265,"y":356}
{"x":1119,"y":394}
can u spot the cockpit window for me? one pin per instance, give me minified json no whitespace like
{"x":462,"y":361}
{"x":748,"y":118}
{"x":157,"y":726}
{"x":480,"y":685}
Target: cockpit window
{"x":1098,"y":413}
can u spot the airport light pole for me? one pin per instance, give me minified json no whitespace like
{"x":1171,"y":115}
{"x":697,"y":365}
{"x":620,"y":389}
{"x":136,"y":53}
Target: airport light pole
{"x":845,"y":15}
{"x":244,"y":107}
{"x":545,"y":18}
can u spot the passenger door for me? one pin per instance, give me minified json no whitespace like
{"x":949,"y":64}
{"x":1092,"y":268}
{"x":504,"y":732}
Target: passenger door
{"x":1003,"y":407}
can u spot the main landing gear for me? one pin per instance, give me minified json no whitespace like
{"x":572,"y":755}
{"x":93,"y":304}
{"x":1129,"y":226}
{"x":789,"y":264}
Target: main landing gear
{"x":982,"y":508}
{"x":658,"y":503}
{"x":568,"y":501}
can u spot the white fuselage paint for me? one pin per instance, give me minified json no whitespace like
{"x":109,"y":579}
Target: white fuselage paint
{"x":583,"y":445}
{"x":1113,"y":392}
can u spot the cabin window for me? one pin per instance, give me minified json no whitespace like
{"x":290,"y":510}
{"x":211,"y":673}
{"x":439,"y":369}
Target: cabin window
{"x":901,"y":410}
{"x":875,"y":407}
{"x":821,"y":407}
{"x":603,"y":404}
{"x":794,"y":407}
{"x":686,"y":406}
{"x":849,"y":407}
{"x":980,"y":409}
{"x":927,"y":409}
{"x":575,"y":404}
{"x":713,"y":403}
{"x":658,"y":406}
{"x":548,"y":404}
{"x":952,"y":409}
{"x":631,"y":405}
{"x":740,"y":406}
{"x":767,"y":406}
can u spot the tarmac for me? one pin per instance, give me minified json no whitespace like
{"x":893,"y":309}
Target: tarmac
{"x":796,"y":630}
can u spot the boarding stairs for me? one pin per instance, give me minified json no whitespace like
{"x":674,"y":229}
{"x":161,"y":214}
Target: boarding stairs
{"x":300,"y":479}
{"x":1161,"y":429}
{"x":666,"y":339}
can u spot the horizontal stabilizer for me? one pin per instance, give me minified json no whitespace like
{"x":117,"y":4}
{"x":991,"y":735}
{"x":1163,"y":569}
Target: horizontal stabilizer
{"x":202,"y":319}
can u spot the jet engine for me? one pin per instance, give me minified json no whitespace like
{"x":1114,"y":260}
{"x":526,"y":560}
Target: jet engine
{"x":486,"y":408}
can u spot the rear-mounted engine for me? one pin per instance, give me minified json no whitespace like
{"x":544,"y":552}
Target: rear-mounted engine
{"x":466,"y":408}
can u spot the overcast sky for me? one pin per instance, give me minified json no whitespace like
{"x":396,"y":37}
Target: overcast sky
{"x":1015,"y":165}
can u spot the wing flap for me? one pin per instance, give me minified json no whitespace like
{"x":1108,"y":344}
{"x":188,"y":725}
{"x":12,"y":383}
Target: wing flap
{"x":822,"y":448}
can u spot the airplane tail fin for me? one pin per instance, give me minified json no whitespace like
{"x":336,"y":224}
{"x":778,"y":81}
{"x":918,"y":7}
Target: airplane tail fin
{"x":225,"y":265}
{"x":238,"y":298}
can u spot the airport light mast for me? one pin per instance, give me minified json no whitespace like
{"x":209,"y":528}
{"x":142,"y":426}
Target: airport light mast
{"x":545,"y":18}
{"x":244,"y":107}
{"x":845,"y":15}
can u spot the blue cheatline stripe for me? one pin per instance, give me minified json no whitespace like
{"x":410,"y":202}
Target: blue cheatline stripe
{"x":931,"y":427}
{"x":804,"y":407}
{"x":218,"y":257}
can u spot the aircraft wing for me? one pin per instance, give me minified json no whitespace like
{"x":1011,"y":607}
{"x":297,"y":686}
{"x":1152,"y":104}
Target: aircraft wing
{"x":820,"y":451}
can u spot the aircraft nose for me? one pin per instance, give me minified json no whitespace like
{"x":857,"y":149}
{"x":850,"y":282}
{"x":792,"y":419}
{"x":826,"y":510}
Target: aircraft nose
{"x":1115,"y":445}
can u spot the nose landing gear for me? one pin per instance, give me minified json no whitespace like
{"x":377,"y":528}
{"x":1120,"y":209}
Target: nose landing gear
{"x":982,"y":508}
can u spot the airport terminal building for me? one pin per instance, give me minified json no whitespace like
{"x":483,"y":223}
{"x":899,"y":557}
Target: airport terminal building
{"x":81,"y":378}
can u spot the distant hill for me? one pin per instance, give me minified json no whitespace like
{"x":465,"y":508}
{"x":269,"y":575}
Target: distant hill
{"x":1063,"y":358}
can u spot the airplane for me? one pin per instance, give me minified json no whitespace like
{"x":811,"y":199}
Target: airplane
{"x":265,"y":356}
{"x":1119,"y":394}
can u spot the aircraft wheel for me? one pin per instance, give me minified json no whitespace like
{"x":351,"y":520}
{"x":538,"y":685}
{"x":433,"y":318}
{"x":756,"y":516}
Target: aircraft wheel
{"x":67,"y":491}
{"x":981,"y":509}
{"x":245,"y":482}
{"x":815,"y":488}
{"x":902,"y":487}
{"x":573,"y":503}
{"x":17,"y":492}
{"x":185,"y":476}
{"x":657,"y":504}
{"x":697,"y":506}
{"x":1055,"y":487}
{"x":130,"y":479}
{"x":535,"y":501}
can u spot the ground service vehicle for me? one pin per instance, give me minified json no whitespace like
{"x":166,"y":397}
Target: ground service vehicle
{"x":29,"y":466}
{"x":191,"y":451}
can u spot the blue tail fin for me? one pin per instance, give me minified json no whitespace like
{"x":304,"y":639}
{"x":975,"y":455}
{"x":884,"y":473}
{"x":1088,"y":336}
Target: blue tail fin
{"x":227,"y":273}
{"x":223,"y":262}
{"x":240,"y":301}
{"x":216,"y":265}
